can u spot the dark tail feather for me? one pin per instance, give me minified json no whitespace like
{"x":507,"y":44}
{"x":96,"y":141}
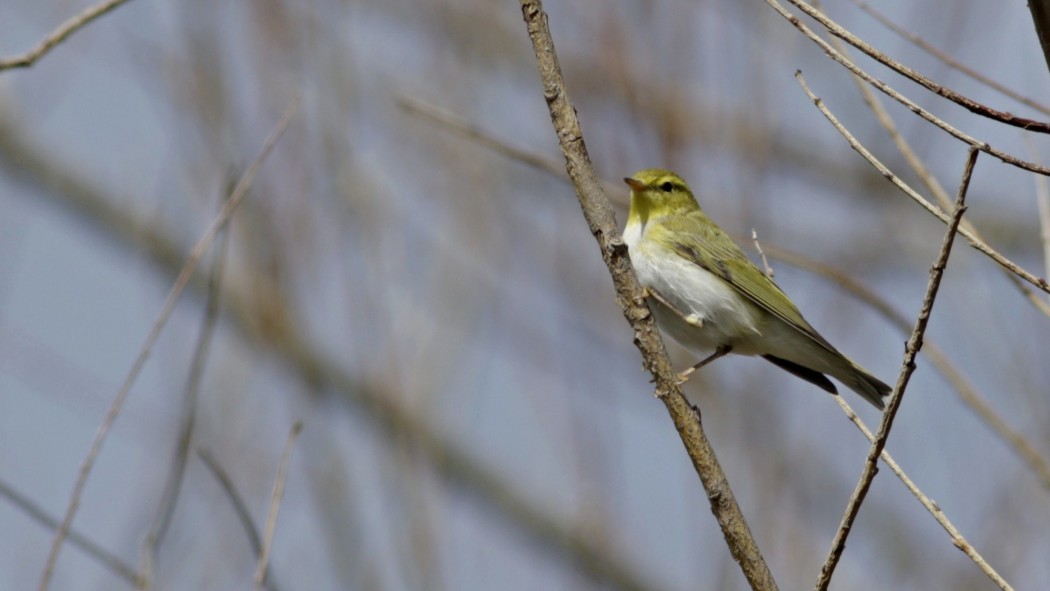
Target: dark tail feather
{"x":814,"y":377}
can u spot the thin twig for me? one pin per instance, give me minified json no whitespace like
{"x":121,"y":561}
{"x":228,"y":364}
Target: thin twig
{"x":103,"y":556}
{"x":947,"y":59}
{"x":173,"y":485}
{"x":169,"y":305}
{"x":911,"y":105}
{"x":598,"y":212}
{"x":942,"y":91}
{"x":275,"y":504}
{"x":957,"y":538}
{"x":907,"y":367}
{"x":761,"y":254}
{"x":933,"y":209}
{"x":59,"y":35}
{"x":239,"y":506}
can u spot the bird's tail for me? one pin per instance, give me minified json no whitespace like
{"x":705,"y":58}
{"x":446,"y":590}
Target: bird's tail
{"x":868,"y":386}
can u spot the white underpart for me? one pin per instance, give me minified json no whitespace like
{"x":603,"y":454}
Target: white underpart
{"x":722,"y":315}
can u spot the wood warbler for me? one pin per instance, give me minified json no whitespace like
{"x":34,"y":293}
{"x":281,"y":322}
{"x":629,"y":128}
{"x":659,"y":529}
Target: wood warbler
{"x":709,"y":296}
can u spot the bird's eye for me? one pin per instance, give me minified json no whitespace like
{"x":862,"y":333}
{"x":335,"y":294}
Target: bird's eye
{"x":666,"y":187}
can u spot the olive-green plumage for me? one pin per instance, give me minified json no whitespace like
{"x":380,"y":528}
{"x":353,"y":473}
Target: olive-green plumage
{"x":719,"y":298}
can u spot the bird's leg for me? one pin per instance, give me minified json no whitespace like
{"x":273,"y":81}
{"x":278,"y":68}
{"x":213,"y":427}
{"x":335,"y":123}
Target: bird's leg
{"x":719,"y":352}
{"x":692,"y":319}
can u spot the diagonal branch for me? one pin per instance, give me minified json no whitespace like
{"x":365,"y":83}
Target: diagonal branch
{"x":598,"y":212}
{"x":963,"y":101}
{"x":948,"y":60}
{"x":263,"y":564}
{"x":908,"y":366}
{"x":59,"y":35}
{"x":957,"y":538}
{"x":910,"y":104}
{"x":974,"y":240}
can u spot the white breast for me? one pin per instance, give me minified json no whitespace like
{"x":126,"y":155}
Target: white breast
{"x":726,"y":317}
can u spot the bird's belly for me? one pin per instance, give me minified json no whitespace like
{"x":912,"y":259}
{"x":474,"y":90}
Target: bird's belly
{"x":725,"y":316}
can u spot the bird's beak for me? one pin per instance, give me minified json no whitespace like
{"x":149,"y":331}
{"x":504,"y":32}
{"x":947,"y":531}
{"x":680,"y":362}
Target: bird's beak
{"x":634,"y":184}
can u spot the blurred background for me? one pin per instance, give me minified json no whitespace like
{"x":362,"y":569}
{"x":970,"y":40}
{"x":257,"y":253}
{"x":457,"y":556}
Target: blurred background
{"x":431,"y":305}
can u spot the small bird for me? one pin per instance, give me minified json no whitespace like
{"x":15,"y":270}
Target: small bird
{"x":709,"y":296}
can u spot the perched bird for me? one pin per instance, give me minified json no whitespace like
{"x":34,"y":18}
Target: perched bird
{"x":709,"y":296}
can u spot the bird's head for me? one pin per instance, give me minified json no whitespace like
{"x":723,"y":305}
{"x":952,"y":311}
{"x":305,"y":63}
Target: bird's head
{"x":657,"y":193}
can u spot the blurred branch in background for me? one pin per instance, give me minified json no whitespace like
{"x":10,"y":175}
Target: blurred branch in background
{"x":59,"y":35}
{"x":319,"y":373}
{"x":103,"y":556}
{"x":181,"y":281}
{"x":262,"y":569}
{"x":173,"y":485}
{"x":239,"y":507}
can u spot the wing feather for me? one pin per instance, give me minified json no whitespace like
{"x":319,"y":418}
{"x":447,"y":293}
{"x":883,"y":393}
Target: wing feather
{"x":713,"y":250}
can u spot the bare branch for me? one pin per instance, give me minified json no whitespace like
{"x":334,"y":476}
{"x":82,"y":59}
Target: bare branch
{"x":908,"y":366}
{"x":173,"y":484}
{"x":965,"y":102}
{"x":59,"y":35}
{"x":1041,"y":18}
{"x":169,"y":305}
{"x":948,"y":60}
{"x":110,"y":561}
{"x":957,"y":538}
{"x":239,"y":507}
{"x":962,"y":386}
{"x":598,"y":212}
{"x":761,"y":254}
{"x":933,"y":209}
{"x":923,"y":172}
{"x":911,"y":105}
{"x":262,"y":567}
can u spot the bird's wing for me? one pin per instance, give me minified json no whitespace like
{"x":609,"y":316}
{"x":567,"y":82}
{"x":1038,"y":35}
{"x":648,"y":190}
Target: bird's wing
{"x":713,"y":250}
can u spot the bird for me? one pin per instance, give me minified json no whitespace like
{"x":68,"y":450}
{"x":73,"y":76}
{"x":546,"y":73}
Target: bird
{"x":707,"y":294}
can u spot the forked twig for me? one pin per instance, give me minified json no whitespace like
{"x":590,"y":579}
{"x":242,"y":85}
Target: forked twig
{"x":908,"y":366}
{"x":169,"y":306}
{"x":957,"y":538}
